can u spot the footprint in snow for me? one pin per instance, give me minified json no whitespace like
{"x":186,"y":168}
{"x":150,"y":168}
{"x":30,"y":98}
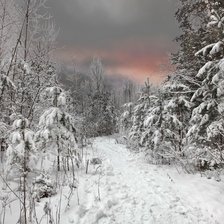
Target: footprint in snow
{"x":113,"y":183}
{"x":176,"y":199}
{"x":134,"y":202}
{"x":124,"y":196}
{"x":181,"y":210}
{"x":150,"y":180}
{"x":111,"y":202}
{"x":154,"y":204}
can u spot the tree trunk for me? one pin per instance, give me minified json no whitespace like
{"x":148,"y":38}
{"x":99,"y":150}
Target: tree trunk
{"x":58,"y":161}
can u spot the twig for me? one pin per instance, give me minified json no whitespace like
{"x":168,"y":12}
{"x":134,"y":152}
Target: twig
{"x":11,"y":189}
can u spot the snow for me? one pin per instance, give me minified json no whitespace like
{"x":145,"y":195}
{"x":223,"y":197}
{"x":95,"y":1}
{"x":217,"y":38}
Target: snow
{"x":148,"y":121}
{"x":133,"y":191}
{"x":214,"y":129}
{"x":143,"y":193}
{"x":217,"y":47}
{"x":215,"y":19}
{"x":205,"y":68}
{"x":15,"y":137}
{"x":205,"y":119}
{"x":5,"y":79}
{"x":210,"y":49}
{"x":126,"y":189}
{"x":62,"y":99}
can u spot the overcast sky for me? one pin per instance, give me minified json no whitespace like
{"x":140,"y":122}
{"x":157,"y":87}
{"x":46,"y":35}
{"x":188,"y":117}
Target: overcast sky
{"x":133,"y":37}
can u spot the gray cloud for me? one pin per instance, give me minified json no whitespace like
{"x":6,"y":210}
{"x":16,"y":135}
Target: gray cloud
{"x":100,"y":23}
{"x":133,"y":37}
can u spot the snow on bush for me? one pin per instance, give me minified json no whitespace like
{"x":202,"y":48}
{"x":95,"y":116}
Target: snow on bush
{"x":43,"y":187}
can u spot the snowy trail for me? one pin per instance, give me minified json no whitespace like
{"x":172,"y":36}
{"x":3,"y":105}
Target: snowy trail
{"x":132,"y":193}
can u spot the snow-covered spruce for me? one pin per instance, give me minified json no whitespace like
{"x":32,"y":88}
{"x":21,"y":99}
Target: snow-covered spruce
{"x":43,"y":187}
{"x":21,"y":149}
{"x":100,"y":116}
{"x":126,"y":117}
{"x":158,"y":120}
{"x":207,"y":126}
{"x":139,"y":114}
{"x":57,"y":132}
{"x":21,"y":159}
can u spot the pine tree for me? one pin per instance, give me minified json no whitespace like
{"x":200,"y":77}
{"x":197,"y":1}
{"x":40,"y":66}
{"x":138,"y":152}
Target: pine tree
{"x":164,"y":126}
{"x":140,"y":112}
{"x":100,"y":117}
{"x":20,"y":152}
{"x":178,"y":111}
{"x":126,"y":117}
{"x":192,"y":17}
{"x":207,"y":127}
{"x":57,"y":129}
{"x":154,"y":134}
{"x":21,"y":156}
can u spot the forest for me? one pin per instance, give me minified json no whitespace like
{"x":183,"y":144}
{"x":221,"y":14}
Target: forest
{"x":70,"y":138}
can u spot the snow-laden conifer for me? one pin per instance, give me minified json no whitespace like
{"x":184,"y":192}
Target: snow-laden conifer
{"x":57,"y":131}
{"x":206,"y":131}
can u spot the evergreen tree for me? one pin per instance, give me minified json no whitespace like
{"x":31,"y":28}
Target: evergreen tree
{"x":193,"y":19}
{"x":154,"y":134}
{"x":57,"y":128}
{"x":207,"y":127}
{"x":20,"y":152}
{"x":126,"y":117}
{"x":140,"y":112}
{"x":21,"y":157}
{"x":178,"y":111}
{"x":100,"y":117}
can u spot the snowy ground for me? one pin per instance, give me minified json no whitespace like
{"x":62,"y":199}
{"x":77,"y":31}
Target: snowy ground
{"x":134,"y":192}
{"x":127,"y":190}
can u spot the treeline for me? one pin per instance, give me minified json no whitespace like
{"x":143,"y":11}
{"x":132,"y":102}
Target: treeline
{"x":182,"y":121}
{"x":46,"y":119}
{"x":27,"y":68}
{"x":97,"y":97}
{"x":45,"y":110}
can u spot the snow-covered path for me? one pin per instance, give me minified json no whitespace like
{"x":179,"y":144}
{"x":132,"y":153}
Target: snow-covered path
{"x":133,"y":192}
